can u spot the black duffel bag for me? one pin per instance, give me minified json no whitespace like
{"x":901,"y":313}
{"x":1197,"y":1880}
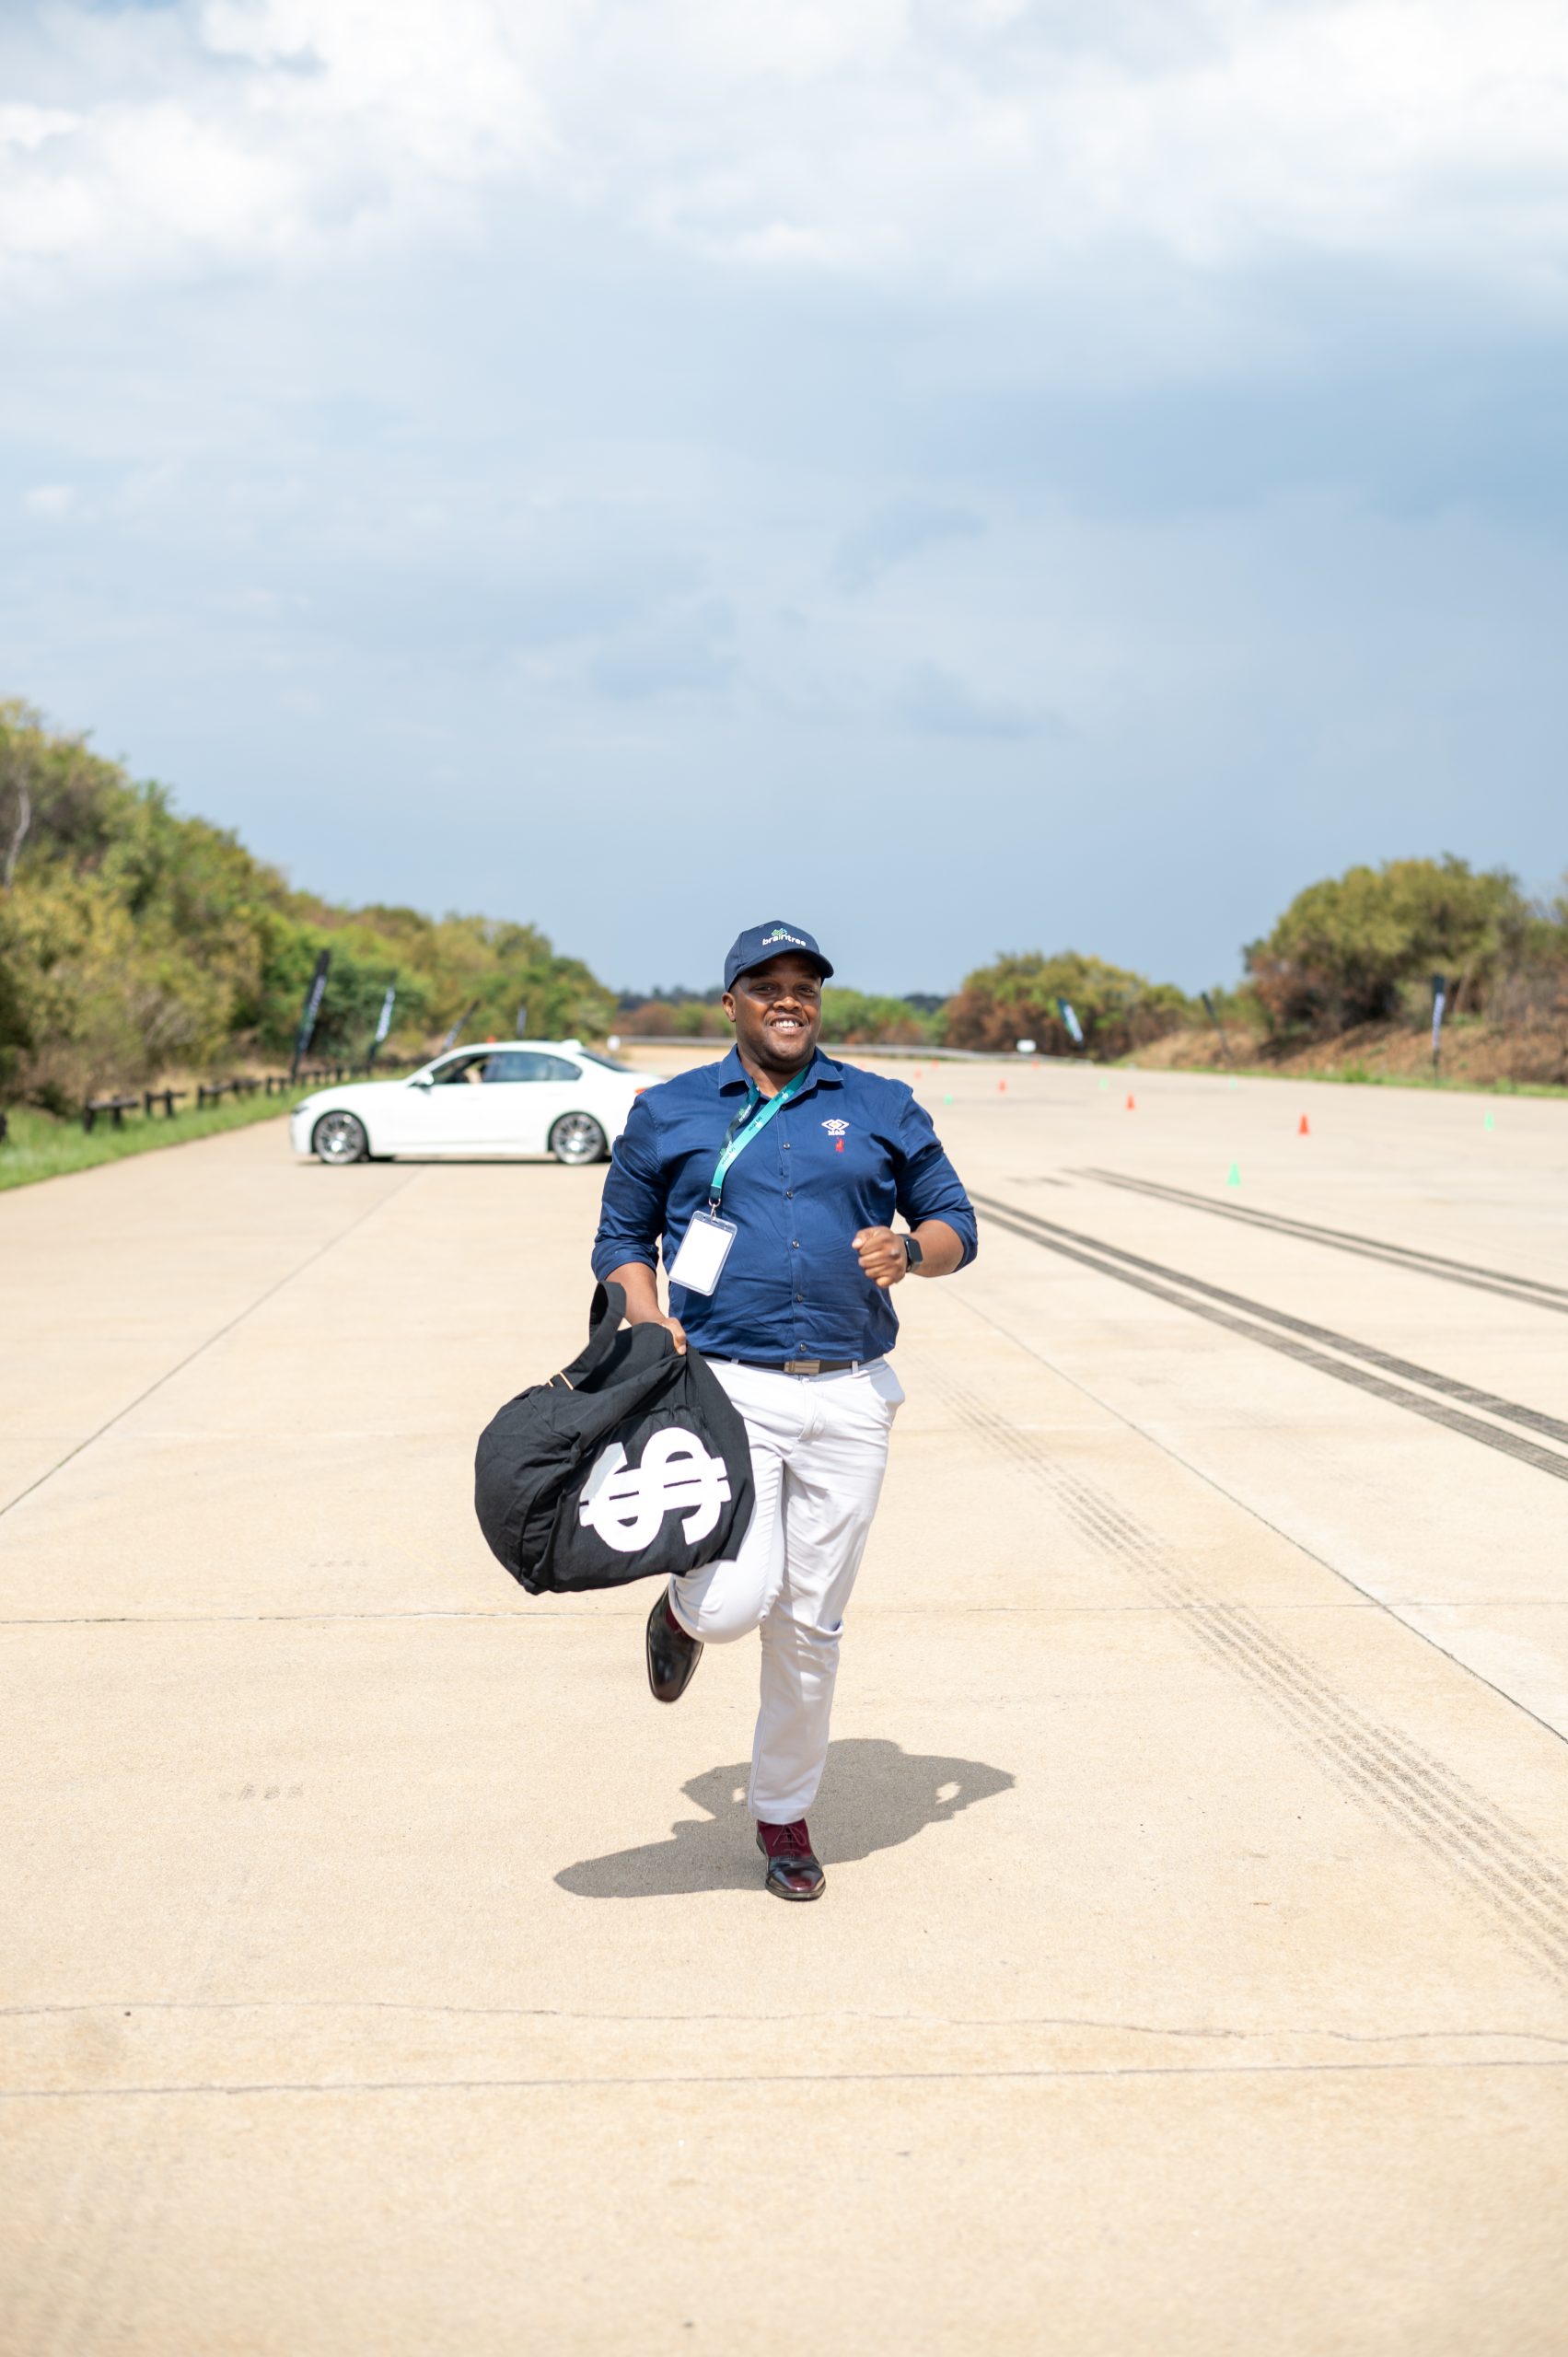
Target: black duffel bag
{"x":630,"y":1462}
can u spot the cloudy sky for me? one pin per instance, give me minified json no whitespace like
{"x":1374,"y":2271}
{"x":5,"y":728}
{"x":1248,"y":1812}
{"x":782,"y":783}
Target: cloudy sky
{"x":957,"y":474}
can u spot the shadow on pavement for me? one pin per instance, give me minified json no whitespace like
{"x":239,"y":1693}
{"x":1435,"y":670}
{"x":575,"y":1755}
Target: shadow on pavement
{"x":874,"y":1796}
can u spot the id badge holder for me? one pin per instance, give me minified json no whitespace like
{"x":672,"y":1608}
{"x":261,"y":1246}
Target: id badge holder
{"x":704,"y":1249}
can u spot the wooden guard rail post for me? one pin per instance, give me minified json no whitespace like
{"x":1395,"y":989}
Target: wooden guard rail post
{"x":213,"y":1092}
{"x":115,"y":1107}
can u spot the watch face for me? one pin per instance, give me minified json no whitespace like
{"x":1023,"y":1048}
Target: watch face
{"x":912,"y":1252}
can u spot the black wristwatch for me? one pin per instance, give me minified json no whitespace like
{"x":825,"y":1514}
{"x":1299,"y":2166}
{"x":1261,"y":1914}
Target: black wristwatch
{"x":913,"y":1253}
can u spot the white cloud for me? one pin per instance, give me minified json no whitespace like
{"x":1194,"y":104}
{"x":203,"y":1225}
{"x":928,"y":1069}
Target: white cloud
{"x":24,"y":129}
{"x":937,"y":703}
{"x":988,"y":143}
{"x":607,"y":400}
{"x":893,"y":533}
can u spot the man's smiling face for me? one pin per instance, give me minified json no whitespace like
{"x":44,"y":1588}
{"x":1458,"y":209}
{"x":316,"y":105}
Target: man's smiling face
{"x":776,"y":1009}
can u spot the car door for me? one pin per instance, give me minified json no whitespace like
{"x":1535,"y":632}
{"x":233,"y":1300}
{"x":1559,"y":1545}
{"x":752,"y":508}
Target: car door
{"x":525,"y":1092}
{"x":443,"y":1115}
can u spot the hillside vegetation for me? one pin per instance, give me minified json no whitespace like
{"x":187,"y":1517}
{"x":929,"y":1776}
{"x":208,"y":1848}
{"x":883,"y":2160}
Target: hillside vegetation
{"x":1022,"y":997}
{"x":1343,"y":983}
{"x":134,"y":941}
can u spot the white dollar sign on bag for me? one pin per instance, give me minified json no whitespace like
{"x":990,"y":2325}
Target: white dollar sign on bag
{"x":626,"y":1504}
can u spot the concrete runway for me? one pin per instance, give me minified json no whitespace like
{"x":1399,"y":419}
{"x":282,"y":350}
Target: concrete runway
{"x":385,"y":1973}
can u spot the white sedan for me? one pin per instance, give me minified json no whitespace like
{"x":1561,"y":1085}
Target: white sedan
{"x":510,"y":1096}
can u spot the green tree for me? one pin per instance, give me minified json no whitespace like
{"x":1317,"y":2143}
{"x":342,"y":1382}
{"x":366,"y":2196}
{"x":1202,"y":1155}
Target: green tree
{"x":1347,"y":949}
{"x":859,"y":1018}
{"x":1017,"y":997}
{"x":134,"y":940}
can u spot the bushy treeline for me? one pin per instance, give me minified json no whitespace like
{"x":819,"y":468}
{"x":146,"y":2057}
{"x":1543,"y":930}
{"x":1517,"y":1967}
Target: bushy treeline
{"x":134,"y":941}
{"x":1363,"y":947}
{"x":1021,"y":996}
{"x":1357,"y":948}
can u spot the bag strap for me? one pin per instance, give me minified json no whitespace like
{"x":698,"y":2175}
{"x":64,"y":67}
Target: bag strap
{"x":604,"y":1324}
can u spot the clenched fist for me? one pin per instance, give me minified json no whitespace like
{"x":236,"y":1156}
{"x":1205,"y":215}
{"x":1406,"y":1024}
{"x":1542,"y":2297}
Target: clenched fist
{"x":881,"y":1256}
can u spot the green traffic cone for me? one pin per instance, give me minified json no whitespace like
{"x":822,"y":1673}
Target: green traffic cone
{"x":1233,"y":1178}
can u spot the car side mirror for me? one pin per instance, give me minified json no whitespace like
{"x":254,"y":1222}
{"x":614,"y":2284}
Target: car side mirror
{"x":423,"y":1080}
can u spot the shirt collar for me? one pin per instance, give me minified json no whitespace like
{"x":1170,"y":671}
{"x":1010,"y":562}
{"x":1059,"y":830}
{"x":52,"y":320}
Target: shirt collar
{"x":820,"y":1072}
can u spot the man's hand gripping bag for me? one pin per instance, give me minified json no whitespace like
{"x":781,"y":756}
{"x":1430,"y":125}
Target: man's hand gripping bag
{"x":629,"y":1463}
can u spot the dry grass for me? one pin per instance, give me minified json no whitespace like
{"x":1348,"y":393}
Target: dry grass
{"x":1476,"y":1054}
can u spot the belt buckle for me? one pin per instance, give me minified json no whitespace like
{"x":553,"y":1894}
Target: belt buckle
{"x":803,"y":1367}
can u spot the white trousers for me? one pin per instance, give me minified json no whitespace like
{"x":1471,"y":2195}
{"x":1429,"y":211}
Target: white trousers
{"x":819,"y":1452}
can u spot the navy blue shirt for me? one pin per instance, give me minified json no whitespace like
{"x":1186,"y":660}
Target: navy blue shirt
{"x":845,"y":1153}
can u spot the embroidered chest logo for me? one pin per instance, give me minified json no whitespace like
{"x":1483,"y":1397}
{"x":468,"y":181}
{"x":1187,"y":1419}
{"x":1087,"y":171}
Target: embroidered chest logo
{"x":838,"y":1131}
{"x":627,"y":1504}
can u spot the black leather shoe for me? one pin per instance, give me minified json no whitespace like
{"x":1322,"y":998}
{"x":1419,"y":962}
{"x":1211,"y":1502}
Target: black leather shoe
{"x":672,"y":1654}
{"x":792,"y":1872}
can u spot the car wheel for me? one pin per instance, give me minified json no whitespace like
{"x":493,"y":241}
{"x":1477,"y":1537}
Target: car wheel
{"x":340,"y":1137}
{"x":577,"y":1137}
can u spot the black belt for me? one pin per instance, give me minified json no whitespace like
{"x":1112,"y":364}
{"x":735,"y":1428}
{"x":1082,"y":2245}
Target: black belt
{"x":800,"y":1366}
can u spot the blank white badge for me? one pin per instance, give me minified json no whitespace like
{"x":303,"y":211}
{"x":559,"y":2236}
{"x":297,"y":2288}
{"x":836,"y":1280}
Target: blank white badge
{"x":704,"y":1249}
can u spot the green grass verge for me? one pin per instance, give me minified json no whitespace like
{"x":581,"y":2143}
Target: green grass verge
{"x":38,"y":1146}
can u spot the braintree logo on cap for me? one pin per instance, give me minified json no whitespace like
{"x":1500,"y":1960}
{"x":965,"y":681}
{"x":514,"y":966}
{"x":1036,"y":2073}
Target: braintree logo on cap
{"x":778,"y":934}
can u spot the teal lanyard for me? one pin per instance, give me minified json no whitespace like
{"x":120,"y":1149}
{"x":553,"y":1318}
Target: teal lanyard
{"x":744,"y":1128}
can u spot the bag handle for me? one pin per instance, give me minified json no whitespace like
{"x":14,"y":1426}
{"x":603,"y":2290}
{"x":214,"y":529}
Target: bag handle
{"x":604,"y":1324}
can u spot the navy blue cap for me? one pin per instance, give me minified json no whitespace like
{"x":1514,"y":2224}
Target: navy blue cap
{"x":761,"y":942}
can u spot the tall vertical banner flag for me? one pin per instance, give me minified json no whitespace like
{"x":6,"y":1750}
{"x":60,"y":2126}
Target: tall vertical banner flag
{"x":384,"y":1021}
{"x":1439,"y":1001}
{"x":310,"y":1010}
{"x":461,"y":1024}
{"x":1219,"y":1027}
{"x":1071,"y":1020}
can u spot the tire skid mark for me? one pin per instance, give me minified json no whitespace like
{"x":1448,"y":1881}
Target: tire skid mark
{"x":1222,"y":1626}
{"x":1406,"y":1370}
{"x":1105,"y":1261}
{"x":1533,"y":1290}
{"x":1383,"y":1770}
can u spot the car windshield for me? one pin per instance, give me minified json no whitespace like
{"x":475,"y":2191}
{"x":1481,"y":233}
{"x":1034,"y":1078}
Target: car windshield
{"x":590,"y":1055}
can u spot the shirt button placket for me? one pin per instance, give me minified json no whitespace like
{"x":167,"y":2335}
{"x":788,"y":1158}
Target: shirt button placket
{"x":794,"y":1247}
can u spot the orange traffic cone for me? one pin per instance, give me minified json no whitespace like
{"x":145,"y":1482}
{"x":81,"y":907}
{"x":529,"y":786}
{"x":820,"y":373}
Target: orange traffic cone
{"x":1131,"y":1108}
{"x":1002,"y":1088}
{"x":1304,"y":1131}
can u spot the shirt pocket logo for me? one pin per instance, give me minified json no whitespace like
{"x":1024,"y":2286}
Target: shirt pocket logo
{"x":838,"y":1131}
